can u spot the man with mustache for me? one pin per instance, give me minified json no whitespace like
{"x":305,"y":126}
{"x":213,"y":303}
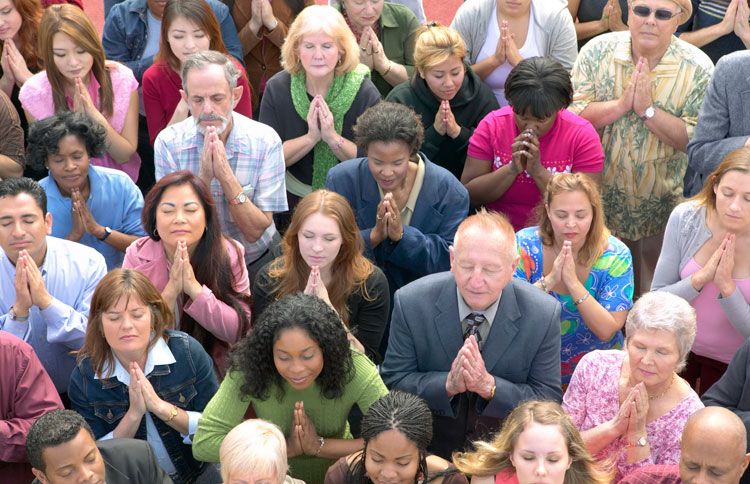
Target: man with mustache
{"x":241,"y":160}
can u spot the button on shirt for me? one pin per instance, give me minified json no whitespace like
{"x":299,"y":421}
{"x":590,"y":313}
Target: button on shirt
{"x":255,"y":154}
{"x":114,"y":202}
{"x":159,"y":354}
{"x":464,"y":310}
{"x":70,"y":272}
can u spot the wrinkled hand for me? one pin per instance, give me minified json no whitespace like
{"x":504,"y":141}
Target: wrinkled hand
{"x":455,"y":384}
{"x":393,"y":221}
{"x":642,"y":93}
{"x":638,"y":411}
{"x":40,"y":297}
{"x":606,"y":13}
{"x":256,"y":15}
{"x":621,"y":422}
{"x":266,"y":11}
{"x":222,"y":168}
{"x":723,"y":273}
{"x":615,"y":18}
{"x":306,"y":433}
{"x":475,"y":375}
{"x":366,"y":55}
{"x":206,"y":170}
{"x":21,"y":284}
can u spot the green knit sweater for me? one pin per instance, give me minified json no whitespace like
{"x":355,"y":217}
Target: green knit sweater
{"x":227,"y":409}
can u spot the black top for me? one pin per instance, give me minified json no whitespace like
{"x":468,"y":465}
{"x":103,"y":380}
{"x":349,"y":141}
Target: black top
{"x":368,"y":316}
{"x":469,"y":106}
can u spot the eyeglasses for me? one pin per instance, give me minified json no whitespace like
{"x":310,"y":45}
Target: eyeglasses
{"x":659,"y":13}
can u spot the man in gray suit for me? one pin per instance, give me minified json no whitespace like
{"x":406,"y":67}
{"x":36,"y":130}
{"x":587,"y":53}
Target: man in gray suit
{"x":723,"y":121}
{"x":474,"y":342}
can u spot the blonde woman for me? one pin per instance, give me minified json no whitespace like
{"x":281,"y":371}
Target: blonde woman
{"x":538,"y":442}
{"x":446,"y":93}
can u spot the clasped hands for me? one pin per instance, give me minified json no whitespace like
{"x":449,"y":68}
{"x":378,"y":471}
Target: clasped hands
{"x":143,"y":398}
{"x":15,"y":70}
{"x":83,"y":221}
{"x":468,"y":374}
{"x":303,"y":438}
{"x":29,"y":286}
{"x":525,"y":153}
{"x":637,"y":95}
{"x":445,"y":122}
{"x":213,"y":161}
{"x":371,"y":51}
{"x":320,"y":122}
{"x":611,"y":18}
{"x":181,"y":276}
{"x":262,"y":16}
{"x":506,"y":49}
{"x":630,"y":421}
{"x":564,"y":269}
{"x":388,"y":224}
{"x":718,"y":268}
{"x":736,"y":20}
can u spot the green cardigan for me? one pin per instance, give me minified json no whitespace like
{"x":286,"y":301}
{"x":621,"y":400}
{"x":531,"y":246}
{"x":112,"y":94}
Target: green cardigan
{"x":398,"y":32}
{"x":227,"y":409}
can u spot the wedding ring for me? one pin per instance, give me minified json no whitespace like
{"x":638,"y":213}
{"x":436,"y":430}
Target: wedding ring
{"x":364,"y":49}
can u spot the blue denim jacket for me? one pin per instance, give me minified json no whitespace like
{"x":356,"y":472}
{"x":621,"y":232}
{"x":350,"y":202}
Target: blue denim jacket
{"x":189,"y":384}
{"x":125,"y":33}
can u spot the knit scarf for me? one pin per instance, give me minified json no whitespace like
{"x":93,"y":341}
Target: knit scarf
{"x":339,"y":99}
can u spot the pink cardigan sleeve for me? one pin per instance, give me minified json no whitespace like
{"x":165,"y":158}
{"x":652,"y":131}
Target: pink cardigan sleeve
{"x":219,"y":318}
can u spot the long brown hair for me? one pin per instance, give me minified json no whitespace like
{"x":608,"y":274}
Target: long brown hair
{"x":119,"y":283}
{"x":31,"y":15}
{"x":71,"y":21}
{"x":350,"y":269}
{"x":493,"y":457}
{"x":197,"y":12}
{"x":736,"y":160}
{"x":596,"y":239}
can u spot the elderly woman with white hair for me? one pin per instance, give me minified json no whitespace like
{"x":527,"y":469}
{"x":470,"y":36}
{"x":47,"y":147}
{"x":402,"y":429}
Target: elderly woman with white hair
{"x":255,"y":451}
{"x":630,"y":405}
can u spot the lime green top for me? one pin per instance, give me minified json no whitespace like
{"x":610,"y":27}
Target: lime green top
{"x":227,"y":409}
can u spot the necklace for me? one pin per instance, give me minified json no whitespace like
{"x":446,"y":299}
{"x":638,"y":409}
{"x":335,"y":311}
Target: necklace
{"x":656,"y":397}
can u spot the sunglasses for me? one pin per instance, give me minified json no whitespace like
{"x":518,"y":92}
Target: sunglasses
{"x":659,"y":13}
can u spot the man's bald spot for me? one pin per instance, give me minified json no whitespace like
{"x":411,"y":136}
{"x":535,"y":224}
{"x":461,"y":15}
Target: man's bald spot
{"x":490,"y":226}
{"x":716,"y":426}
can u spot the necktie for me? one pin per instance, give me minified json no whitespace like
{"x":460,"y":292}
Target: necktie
{"x":473,"y":322}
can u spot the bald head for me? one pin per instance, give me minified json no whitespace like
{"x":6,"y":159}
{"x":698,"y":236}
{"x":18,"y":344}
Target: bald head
{"x":713,"y":447}
{"x":485,"y":228}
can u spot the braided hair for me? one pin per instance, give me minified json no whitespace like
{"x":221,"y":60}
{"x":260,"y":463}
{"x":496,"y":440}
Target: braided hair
{"x":400,"y":411}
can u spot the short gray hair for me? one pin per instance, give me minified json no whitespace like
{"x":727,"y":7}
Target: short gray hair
{"x":664,"y":310}
{"x":201,"y":60}
{"x":255,"y":445}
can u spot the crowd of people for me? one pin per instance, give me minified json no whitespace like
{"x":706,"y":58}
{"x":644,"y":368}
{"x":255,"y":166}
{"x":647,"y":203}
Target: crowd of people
{"x":259,"y":241}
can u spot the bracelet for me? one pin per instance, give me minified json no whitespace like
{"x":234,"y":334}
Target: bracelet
{"x":173,"y":414}
{"x":322,"y":441}
{"x":544,"y":285}
{"x":581,"y":299}
{"x":390,"y":65}
{"x":492,"y":392}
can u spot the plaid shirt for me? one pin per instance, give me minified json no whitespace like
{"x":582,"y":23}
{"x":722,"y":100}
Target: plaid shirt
{"x":254,"y":152}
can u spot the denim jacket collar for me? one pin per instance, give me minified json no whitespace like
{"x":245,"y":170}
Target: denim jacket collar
{"x":158,"y":355}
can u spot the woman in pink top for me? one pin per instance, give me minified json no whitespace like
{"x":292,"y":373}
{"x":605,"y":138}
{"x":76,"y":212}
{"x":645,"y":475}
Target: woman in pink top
{"x":199,"y":272}
{"x":705,"y":259}
{"x":188,"y":26}
{"x":79,"y":78}
{"x":538,"y":443}
{"x":630,"y":405}
{"x":515,"y":150}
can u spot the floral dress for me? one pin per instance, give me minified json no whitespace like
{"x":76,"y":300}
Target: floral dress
{"x":610,"y":282}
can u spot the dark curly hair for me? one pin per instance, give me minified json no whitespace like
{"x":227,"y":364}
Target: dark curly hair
{"x":45,"y":135}
{"x":386,"y":122}
{"x":253,"y":356}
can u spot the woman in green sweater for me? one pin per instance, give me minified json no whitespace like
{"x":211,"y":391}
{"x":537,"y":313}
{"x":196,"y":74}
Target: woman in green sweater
{"x":297,"y":370}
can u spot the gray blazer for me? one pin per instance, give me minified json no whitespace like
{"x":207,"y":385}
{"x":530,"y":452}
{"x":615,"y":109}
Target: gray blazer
{"x":522,"y":352}
{"x":723,"y":121}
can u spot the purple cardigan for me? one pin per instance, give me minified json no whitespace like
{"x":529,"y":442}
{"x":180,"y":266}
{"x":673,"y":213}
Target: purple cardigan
{"x":220,"y":319}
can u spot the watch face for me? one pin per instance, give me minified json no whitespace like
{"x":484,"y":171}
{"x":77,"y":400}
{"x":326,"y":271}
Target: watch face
{"x":642,"y":441}
{"x":242,"y":198}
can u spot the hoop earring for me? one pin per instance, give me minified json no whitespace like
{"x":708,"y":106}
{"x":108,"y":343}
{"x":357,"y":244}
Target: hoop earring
{"x":155,"y":232}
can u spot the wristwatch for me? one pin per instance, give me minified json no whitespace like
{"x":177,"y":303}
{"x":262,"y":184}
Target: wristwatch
{"x":239,"y":199}
{"x":107,"y":233}
{"x":648,"y":113}
{"x":642,"y":442}
{"x":14,"y":317}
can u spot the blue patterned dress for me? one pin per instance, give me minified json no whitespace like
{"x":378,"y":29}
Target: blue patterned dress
{"x":610,"y":282}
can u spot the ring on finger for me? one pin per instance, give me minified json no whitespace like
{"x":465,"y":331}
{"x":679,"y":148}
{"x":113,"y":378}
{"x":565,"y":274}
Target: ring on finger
{"x":364,"y":49}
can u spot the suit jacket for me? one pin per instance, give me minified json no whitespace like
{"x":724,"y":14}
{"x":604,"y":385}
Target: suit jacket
{"x":522,"y":352}
{"x":441,"y":206}
{"x":723,"y":120}
{"x":130,"y":461}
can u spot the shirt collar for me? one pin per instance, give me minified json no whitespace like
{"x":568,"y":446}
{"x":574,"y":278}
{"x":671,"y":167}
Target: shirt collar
{"x":159,"y":354}
{"x":464,"y":310}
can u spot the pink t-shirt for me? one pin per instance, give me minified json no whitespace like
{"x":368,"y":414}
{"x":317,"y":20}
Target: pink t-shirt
{"x":571,"y":145}
{"x":716,"y":337}
{"x":36,"y":98}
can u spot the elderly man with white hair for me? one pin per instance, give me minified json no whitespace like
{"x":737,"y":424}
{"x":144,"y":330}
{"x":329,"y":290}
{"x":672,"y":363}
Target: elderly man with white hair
{"x":630,"y":405}
{"x":255,"y":451}
{"x":642,"y":89}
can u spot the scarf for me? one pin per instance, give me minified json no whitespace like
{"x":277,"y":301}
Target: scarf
{"x":339,"y":99}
